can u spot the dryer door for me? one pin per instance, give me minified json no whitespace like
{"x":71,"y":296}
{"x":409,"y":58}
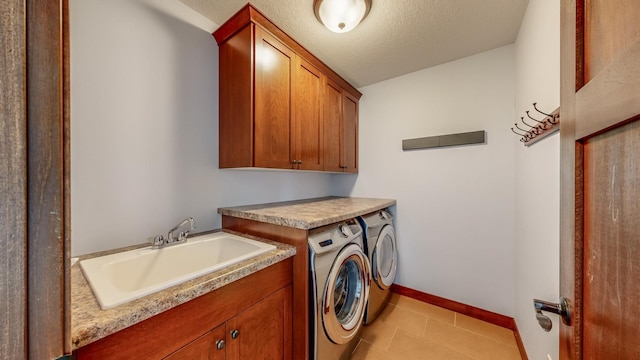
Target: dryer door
{"x":346,"y":294}
{"x":385,"y":258}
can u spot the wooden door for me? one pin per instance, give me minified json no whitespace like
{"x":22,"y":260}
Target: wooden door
{"x":274,"y":64}
{"x":332,"y":121}
{"x":203,"y":348}
{"x":600,"y":178}
{"x":307,"y":124}
{"x":350,"y":133}
{"x":262,"y":332}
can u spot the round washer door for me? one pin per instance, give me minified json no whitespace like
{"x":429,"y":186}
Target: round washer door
{"x":346,"y":294}
{"x":385,"y":258}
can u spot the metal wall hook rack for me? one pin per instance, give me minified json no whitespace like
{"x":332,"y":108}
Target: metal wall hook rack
{"x":540,"y":128}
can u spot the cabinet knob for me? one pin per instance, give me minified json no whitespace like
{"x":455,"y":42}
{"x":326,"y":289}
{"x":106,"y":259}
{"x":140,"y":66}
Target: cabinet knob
{"x":299,"y":162}
{"x":220,"y":344}
{"x":235,"y":333}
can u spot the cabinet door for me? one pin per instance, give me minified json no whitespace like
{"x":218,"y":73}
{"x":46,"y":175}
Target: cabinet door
{"x":307,"y":124}
{"x":202,"y":348}
{"x":273,"y":75}
{"x":262,"y":332}
{"x":350,"y":133}
{"x":332,"y":122}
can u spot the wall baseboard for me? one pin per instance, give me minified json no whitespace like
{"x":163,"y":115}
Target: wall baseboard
{"x":468,"y":310}
{"x":516,"y":332}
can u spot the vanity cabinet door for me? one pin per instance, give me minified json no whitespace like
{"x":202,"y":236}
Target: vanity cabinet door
{"x":203,"y":348}
{"x":262,"y":332}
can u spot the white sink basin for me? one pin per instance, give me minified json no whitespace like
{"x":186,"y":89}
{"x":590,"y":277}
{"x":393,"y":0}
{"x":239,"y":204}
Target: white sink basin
{"x":118,"y":278}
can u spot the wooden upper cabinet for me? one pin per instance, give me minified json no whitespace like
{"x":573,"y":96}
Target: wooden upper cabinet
{"x":332,"y":118}
{"x":274,"y":65}
{"x":307,"y":124}
{"x":340,"y":118}
{"x":350,"y":132}
{"x":274,"y":98}
{"x":236,"y":100}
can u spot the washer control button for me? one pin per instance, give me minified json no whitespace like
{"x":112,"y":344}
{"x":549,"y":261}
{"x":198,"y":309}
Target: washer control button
{"x":325,"y":243}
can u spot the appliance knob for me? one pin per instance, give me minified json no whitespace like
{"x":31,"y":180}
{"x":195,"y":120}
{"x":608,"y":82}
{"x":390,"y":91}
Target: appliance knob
{"x":344,"y":230}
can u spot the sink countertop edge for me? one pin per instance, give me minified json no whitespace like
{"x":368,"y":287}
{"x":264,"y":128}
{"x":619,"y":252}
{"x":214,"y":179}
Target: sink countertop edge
{"x":308,"y":213}
{"x":90,"y":323}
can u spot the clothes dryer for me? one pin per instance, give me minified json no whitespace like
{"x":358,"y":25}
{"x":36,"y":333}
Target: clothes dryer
{"x":380,"y":247}
{"x":339,"y":289}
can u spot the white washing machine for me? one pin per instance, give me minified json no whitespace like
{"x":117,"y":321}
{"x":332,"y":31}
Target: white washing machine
{"x":380,"y":247}
{"x":339,"y":288}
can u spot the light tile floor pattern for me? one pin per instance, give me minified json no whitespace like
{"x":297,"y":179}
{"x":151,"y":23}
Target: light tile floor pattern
{"x":409,"y":329}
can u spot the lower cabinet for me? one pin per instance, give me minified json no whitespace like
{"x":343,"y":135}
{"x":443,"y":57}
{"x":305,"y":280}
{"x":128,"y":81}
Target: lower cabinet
{"x":259,"y":332}
{"x":262,"y":331}
{"x":250,"y":318}
{"x":209,"y":346}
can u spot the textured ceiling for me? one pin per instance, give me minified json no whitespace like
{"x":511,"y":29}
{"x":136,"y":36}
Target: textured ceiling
{"x":398,"y":36}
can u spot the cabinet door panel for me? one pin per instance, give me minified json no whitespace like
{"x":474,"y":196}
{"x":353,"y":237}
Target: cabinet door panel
{"x":203,"y":348}
{"x":264,"y":330}
{"x":273,"y":74}
{"x":350,"y":133}
{"x":332,"y":119}
{"x":308,"y":121}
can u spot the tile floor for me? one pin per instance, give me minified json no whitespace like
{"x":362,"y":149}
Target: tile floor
{"x":409,"y":329}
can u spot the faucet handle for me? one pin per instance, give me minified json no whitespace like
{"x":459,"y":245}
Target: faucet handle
{"x":156,"y":241}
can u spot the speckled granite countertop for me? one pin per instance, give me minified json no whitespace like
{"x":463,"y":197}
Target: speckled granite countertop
{"x":309,"y":213}
{"x":90,"y":323}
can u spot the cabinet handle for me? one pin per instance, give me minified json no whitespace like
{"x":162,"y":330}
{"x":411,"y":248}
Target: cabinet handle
{"x":299,"y":162}
{"x":220,"y":344}
{"x":235,"y":333}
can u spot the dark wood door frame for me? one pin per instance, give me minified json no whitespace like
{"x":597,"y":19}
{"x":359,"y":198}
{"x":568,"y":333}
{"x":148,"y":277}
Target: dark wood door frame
{"x":570,"y":160}
{"x":34,"y":166}
{"x":13,"y":182}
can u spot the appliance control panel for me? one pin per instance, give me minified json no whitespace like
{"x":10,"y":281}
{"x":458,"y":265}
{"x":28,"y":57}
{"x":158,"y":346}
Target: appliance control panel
{"x":330,"y":237}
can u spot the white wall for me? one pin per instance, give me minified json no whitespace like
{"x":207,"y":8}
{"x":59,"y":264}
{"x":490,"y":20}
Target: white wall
{"x":455,"y":209}
{"x":538,"y":177}
{"x":144,"y":136}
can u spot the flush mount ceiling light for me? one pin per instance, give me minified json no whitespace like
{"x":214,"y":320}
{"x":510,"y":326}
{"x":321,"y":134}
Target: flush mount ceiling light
{"x":341,"y":16}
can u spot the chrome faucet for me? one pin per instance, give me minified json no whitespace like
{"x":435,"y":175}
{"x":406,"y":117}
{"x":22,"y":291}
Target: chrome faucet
{"x":182,"y":236}
{"x":158,"y":242}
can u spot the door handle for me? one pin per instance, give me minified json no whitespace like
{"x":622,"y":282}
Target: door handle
{"x":561,"y":309}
